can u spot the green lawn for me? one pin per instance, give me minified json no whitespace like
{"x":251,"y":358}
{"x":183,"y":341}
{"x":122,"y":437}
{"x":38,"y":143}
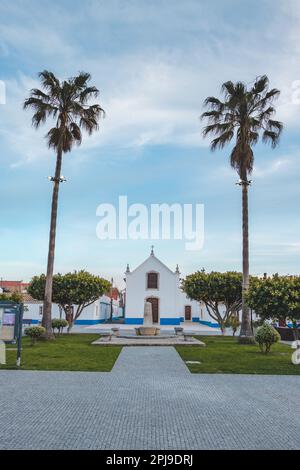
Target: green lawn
{"x":66,"y":353}
{"x":223,"y":355}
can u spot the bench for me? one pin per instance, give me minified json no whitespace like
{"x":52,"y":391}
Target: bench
{"x":178,"y":331}
{"x":107,"y":335}
{"x":188,"y":336}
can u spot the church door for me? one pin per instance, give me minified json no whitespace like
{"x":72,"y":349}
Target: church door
{"x":155,"y":308}
{"x":188,"y":313}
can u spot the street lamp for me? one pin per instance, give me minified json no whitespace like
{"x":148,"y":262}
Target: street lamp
{"x":246,"y":182}
{"x":62,"y":179}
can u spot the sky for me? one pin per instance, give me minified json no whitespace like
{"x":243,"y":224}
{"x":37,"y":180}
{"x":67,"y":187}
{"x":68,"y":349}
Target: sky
{"x":154,"y":62}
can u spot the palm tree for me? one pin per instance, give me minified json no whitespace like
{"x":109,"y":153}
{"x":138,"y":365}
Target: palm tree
{"x":244,"y":117}
{"x":66,"y":103}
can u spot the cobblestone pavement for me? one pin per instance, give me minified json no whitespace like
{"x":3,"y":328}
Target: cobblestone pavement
{"x":149,"y":401}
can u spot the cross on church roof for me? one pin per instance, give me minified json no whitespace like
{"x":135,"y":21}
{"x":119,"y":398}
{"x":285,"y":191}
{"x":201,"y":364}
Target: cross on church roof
{"x":152,"y":250}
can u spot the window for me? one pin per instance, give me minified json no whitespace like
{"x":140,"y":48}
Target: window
{"x":152,"y":281}
{"x":41,"y":310}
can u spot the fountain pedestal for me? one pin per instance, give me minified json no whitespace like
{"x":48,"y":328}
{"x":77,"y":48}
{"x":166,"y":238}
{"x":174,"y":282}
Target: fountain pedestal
{"x":148,"y":329}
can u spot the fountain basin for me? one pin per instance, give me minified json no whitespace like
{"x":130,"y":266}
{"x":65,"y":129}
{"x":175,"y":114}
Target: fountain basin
{"x":147,"y":331}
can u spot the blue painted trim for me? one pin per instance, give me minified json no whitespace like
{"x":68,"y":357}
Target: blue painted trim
{"x":89,"y":322}
{"x":163,"y":321}
{"x":209,"y":323}
{"x":32,"y":322}
{"x":290,"y":325}
{"x":133,"y":321}
{"x":196,"y":319}
{"x":170,"y":321}
{"x":181,"y":319}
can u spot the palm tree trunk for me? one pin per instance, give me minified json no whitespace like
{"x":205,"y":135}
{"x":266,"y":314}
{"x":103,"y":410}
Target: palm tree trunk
{"x":47,"y":318}
{"x":246,"y":334}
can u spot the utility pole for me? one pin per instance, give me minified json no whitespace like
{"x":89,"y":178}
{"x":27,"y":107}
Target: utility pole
{"x":111,"y":300}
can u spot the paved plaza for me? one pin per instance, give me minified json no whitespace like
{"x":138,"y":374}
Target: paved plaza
{"x":149,"y":401}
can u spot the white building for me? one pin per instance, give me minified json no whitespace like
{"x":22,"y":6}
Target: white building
{"x":154,"y":282}
{"x":98,"y":312}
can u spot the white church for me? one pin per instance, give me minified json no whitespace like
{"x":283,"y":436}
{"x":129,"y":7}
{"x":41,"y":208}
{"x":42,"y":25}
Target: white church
{"x":154,"y":282}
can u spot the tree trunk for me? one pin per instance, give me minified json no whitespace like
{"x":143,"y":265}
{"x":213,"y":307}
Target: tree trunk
{"x":246,"y":334}
{"x":46,"y":322}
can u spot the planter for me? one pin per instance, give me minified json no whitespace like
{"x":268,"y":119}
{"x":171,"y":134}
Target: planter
{"x":178,"y":331}
{"x":286,"y":334}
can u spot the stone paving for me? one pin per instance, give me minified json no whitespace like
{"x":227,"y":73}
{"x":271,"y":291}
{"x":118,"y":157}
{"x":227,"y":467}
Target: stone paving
{"x":149,"y":401}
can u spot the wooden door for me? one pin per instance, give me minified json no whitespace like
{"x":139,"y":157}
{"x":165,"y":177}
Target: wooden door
{"x":155,"y":308}
{"x":188,"y":313}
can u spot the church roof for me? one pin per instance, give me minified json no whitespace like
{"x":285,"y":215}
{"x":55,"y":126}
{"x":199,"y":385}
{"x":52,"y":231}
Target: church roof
{"x":152,"y":256}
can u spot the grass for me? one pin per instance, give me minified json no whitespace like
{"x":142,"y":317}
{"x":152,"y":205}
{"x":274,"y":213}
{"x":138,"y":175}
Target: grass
{"x":72,"y":352}
{"x":223,"y":355}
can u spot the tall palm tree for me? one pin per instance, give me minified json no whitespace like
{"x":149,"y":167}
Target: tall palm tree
{"x":244,"y":117}
{"x":66,"y":103}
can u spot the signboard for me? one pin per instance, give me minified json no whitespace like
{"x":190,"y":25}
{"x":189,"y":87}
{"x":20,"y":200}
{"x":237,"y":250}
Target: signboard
{"x":11,"y":325}
{"x":7,"y":324}
{"x":9,"y":321}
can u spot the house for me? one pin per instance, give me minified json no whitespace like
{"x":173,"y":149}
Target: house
{"x":13,"y":286}
{"x":98,"y":312}
{"x":154,"y":282}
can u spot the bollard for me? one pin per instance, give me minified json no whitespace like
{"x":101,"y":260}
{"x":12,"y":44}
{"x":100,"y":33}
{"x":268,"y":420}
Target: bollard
{"x":2,"y":353}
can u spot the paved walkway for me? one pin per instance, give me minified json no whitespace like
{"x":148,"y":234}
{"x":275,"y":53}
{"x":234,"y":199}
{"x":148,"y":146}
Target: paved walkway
{"x":149,"y":401}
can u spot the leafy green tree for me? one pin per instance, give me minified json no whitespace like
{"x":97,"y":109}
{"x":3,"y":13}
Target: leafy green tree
{"x":245,"y":115}
{"x":220,"y":292}
{"x":11,"y":297}
{"x":67,"y":103}
{"x":79,"y":289}
{"x":276,"y":298}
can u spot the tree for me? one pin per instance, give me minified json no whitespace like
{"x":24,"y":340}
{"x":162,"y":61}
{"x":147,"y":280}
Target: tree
{"x":15,"y":297}
{"x":220,"y":292}
{"x":79,"y":289}
{"x":276,"y":298}
{"x":244,"y":116}
{"x":66,"y":103}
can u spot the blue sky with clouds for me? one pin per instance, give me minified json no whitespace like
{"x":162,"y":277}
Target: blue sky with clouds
{"x":154,"y":62}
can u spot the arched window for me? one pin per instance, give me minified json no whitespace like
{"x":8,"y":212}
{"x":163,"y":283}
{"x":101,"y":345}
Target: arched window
{"x":152,"y":281}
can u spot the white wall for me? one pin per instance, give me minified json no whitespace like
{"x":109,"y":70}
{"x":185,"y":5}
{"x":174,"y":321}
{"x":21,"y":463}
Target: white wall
{"x":96,"y":312}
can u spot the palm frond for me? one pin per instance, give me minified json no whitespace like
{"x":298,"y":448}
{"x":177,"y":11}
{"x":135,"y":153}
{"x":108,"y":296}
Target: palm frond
{"x":222,"y":140}
{"x":271,"y":137}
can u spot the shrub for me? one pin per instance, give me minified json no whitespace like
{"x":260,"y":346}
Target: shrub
{"x":234,"y":323}
{"x":35,"y":333}
{"x":266,"y":335}
{"x":59,"y":324}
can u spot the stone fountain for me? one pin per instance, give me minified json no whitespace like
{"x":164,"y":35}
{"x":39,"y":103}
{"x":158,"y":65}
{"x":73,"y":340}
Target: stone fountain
{"x":148,"y":328}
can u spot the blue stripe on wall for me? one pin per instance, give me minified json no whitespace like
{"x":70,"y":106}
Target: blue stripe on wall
{"x":170,"y":321}
{"x":89,"y":322}
{"x":133,"y":321}
{"x":163,"y":321}
{"x":209,"y":323}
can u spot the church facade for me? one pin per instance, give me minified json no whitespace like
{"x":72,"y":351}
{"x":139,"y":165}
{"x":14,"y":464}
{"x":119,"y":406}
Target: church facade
{"x":154,"y":282}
